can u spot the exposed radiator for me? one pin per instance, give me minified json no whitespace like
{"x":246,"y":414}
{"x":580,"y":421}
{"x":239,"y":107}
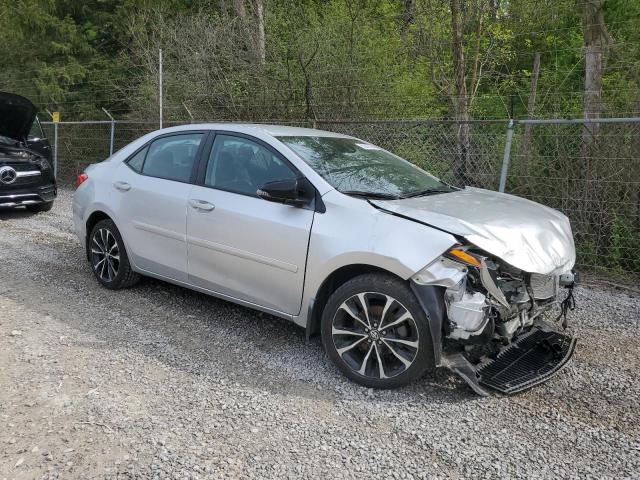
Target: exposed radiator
{"x":544,"y":286}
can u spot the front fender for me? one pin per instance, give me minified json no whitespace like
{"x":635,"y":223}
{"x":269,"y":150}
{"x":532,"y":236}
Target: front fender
{"x":353,"y":232}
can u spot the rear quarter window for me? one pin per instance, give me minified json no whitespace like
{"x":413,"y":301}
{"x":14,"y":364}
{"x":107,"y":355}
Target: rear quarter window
{"x":135,"y":162}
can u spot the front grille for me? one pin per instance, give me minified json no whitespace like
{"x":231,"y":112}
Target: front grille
{"x":531,"y":360}
{"x":21,"y":182}
{"x":22,"y":166}
{"x":544,"y":286}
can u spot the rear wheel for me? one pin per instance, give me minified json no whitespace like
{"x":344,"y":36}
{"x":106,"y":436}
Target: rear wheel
{"x":40,"y":207}
{"x":375,"y":331}
{"x":108,"y":257}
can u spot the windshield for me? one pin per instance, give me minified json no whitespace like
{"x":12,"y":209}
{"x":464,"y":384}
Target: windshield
{"x":355,"y":167}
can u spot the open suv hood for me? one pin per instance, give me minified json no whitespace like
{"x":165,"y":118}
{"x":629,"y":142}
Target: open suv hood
{"x":16,"y":116}
{"x":525,"y":234}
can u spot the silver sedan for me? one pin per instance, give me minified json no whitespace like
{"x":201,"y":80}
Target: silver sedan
{"x":398,"y":272}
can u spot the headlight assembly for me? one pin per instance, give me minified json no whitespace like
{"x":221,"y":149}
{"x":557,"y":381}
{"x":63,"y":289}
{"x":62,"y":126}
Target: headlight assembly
{"x":459,"y":254}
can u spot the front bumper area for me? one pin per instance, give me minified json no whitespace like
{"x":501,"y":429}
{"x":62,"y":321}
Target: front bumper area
{"x":31,"y":196}
{"x":529,"y":360}
{"x":490,"y":328}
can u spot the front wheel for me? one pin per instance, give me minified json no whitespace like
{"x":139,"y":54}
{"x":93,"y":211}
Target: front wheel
{"x":375,"y":331}
{"x":108,"y":257}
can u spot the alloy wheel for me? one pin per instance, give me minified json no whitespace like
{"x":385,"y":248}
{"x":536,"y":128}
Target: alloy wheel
{"x":375,"y":335}
{"x":105,"y":255}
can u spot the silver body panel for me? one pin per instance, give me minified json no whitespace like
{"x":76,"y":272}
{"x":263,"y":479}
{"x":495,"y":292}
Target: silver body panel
{"x":275,"y":257}
{"x":525,"y":234}
{"x":248,"y":248}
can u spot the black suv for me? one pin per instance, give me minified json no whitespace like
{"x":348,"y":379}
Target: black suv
{"x":26,"y":171}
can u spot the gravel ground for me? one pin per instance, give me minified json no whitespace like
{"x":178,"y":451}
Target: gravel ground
{"x":162,"y":382}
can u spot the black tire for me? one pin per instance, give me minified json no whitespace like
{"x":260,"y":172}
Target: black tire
{"x":40,"y":207}
{"x":118,"y":274}
{"x":377,"y":288}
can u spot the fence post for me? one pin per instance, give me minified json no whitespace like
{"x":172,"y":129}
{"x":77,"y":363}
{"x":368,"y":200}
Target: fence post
{"x":160,"y":99}
{"x":55,"y":150}
{"x":113,"y":130}
{"x":506,"y":157}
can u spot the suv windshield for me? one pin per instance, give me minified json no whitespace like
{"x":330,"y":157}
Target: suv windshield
{"x":355,"y":167}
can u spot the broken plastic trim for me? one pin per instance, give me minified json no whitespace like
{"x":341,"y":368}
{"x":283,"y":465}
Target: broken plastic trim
{"x":530,"y":360}
{"x":490,"y":285}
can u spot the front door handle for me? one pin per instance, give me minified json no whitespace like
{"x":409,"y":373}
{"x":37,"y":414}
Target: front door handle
{"x":122,"y":186}
{"x":201,"y":205}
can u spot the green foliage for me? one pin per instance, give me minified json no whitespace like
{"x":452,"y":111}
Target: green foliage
{"x":358,"y":59}
{"x":324,"y":59}
{"x":624,"y":252}
{"x":619,"y":256}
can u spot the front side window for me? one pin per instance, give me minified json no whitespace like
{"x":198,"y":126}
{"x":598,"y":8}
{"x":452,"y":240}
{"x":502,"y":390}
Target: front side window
{"x":240,"y":165}
{"x":172,"y":157}
{"x":355,"y":167}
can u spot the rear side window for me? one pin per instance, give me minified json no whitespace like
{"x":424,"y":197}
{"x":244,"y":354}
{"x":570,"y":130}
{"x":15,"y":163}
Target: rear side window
{"x":172,"y":157}
{"x":137,"y":160}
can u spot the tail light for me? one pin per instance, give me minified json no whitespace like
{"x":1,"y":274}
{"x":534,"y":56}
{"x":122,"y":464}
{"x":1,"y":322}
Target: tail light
{"x":80,"y":179}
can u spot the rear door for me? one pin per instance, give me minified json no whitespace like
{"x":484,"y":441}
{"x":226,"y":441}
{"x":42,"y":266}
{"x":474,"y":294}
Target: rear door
{"x":150,"y":192}
{"x":238,"y":244}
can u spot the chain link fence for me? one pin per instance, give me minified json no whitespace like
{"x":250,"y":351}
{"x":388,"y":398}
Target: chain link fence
{"x":588,"y":170}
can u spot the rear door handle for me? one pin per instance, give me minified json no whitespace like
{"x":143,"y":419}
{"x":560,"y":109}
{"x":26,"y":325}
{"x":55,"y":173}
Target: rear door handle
{"x":201,"y":205}
{"x":122,"y":186}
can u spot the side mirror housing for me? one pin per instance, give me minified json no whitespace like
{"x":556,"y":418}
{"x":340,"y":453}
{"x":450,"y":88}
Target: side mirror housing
{"x":290,"y":192}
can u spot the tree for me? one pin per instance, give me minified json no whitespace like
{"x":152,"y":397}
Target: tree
{"x":254,"y":25}
{"x":460,"y":98}
{"x":596,"y":42}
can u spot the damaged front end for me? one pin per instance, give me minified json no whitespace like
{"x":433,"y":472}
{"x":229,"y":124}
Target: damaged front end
{"x":493,"y":329}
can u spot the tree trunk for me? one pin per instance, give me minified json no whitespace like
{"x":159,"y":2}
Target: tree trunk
{"x":407,"y":17}
{"x":595,"y":40}
{"x":261,"y":50}
{"x":238,"y":6}
{"x":253,"y":27}
{"x":308,"y":92}
{"x":531,"y":107}
{"x":460,"y":104}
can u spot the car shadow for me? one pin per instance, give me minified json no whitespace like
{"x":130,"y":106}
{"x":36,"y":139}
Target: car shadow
{"x":205,"y":336}
{"x":12,"y":213}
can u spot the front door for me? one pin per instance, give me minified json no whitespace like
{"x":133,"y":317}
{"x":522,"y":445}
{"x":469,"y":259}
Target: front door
{"x":238,"y":244}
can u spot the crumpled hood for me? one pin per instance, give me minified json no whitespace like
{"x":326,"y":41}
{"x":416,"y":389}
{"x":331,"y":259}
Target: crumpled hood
{"x":525,"y":234}
{"x":16,"y":116}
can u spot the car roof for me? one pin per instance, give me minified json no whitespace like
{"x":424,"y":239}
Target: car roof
{"x":272,"y":130}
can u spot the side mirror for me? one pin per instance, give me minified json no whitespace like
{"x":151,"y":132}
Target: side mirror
{"x":284,"y":191}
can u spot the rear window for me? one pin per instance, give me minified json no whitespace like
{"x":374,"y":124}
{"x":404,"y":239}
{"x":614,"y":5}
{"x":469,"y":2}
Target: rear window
{"x":137,"y":160}
{"x":171,"y":157}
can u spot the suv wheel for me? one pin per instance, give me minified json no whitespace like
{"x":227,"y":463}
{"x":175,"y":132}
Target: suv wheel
{"x":108,"y":257}
{"x":375,"y":331}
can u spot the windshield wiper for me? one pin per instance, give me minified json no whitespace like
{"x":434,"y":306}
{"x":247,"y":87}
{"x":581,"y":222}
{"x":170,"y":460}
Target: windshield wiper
{"x":428,"y":191}
{"x":379,"y":195}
